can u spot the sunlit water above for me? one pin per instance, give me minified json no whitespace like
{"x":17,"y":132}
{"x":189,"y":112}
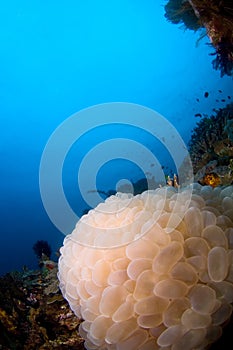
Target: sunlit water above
{"x":57,"y":59}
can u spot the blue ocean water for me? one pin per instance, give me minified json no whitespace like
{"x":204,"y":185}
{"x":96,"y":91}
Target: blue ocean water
{"x":57,"y":59}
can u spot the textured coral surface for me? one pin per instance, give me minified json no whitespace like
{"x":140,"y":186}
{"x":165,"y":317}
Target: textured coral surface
{"x":170,"y":288}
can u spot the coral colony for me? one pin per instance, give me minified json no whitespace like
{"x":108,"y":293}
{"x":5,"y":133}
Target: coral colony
{"x":42,"y":249}
{"x":211,"y":148}
{"x":171,"y":287}
{"x":216,"y":18}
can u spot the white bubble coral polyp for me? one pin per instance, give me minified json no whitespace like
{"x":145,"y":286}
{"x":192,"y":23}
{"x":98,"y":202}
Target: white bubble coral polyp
{"x":170,"y":288}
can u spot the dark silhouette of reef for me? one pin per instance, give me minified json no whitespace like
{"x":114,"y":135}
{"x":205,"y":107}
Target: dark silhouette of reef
{"x":42,"y":248}
{"x":178,"y":11}
{"x":216,"y":16}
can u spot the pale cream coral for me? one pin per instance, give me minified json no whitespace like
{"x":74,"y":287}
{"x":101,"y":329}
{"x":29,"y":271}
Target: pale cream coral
{"x":167,"y":281}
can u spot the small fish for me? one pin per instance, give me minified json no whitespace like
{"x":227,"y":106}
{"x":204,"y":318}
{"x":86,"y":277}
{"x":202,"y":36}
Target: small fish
{"x":220,"y":91}
{"x":206,"y":94}
{"x":198,"y":115}
{"x":229,"y":97}
{"x":197,"y":99}
{"x":223,"y":100}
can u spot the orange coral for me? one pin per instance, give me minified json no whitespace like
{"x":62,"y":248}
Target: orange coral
{"x":212,"y":179}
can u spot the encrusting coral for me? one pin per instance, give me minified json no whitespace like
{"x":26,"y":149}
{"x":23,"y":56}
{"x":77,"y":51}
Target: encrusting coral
{"x":168,"y":281}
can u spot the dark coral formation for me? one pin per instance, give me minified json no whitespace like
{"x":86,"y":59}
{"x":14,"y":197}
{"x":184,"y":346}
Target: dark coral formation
{"x":42,"y":248}
{"x":211,"y":146}
{"x":223,"y":57}
{"x":181,"y":12}
{"x":216,"y":16}
{"x":34,"y":315}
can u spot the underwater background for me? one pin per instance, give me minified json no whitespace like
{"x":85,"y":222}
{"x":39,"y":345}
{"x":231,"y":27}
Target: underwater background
{"x":57,"y":58}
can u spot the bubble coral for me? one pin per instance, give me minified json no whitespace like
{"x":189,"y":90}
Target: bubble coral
{"x":170,"y":287}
